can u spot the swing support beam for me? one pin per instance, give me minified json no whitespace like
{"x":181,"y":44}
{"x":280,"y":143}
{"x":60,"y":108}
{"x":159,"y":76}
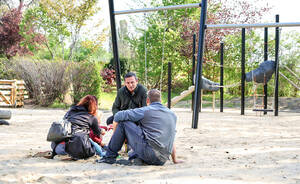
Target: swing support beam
{"x":173,"y":7}
{"x":262,"y":25}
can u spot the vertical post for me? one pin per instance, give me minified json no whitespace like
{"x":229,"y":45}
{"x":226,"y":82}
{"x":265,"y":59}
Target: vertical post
{"x":221,"y":76}
{"x":266,"y":58}
{"x":243,"y":73}
{"x":114,"y":42}
{"x":193,"y":69}
{"x":277,"y":67}
{"x":199,"y":64}
{"x":169,"y":83}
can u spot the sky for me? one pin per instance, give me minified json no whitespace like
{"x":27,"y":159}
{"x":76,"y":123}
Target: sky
{"x":287,"y":9}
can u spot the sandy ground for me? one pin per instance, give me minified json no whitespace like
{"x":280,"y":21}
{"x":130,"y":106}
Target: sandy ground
{"x":226,"y":148}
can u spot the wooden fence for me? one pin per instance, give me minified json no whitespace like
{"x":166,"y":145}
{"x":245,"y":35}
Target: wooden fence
{"x":12,"y":93}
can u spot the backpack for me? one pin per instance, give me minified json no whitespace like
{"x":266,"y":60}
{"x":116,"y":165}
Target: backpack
{"x":79,"y":146}
{"x":59,"y":131}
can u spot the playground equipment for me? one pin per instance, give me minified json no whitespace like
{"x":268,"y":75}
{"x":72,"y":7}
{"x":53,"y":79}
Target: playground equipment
{"x":4,"y":115}
{"x":262,"y":74}
{"x":206,"y":85}
{"x":203,"y":27}
{"x":112,"y":13}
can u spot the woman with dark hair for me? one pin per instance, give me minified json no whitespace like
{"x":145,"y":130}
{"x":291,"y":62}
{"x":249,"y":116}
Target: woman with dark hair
{"x":83,"y":117}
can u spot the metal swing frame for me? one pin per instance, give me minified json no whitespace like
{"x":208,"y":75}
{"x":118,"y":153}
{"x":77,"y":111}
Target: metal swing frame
{"x":112,"y":13}
{"x":203,"y":27}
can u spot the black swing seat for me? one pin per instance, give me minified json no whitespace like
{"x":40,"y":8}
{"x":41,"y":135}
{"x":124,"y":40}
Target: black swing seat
{"x":263,"y":110}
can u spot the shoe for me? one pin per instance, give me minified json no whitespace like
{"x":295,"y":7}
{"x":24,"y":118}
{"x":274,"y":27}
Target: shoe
{"x":132,"y":155}
{"x":45,"y":154}
{"x":135,"y":161}
{"x":124,"y":162}
{"x":107,"y":160}
{"x":138,"y":161}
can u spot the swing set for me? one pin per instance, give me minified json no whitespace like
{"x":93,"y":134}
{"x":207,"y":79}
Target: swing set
{"x":203,"y":26}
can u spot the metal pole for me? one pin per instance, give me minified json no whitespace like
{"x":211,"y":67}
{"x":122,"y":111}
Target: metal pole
{"x":169,"y":83}
{"x":114,"y":42}
{"x":261,"y":25}
{"x":266,"y":58}
{"x":277,"y":66}
{"x":193,"y":69}
{"x":173,"y":7}
{"x":243,"y":73}
{"x":202,"y":28}
{"x":221,"y":76}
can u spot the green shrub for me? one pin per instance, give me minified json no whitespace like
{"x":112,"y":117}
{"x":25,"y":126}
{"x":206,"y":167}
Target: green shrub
{"x":86,"y":79}
{"x":5,"y":71}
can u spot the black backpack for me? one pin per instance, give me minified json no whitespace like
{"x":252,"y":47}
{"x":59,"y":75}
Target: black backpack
{"x":79,"y":146}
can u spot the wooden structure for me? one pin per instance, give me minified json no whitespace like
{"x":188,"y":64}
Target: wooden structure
{"x":12,"y":93}
{"x":190,"y":90}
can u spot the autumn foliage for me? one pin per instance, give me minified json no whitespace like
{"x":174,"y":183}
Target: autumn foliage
{"x":15,"y":39}
{"x":108,"y":75}
{"x":220,"y":12}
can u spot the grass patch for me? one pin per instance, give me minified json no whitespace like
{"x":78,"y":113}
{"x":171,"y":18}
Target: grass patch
{"x":59,"y":105}
{"x":106,"y":100}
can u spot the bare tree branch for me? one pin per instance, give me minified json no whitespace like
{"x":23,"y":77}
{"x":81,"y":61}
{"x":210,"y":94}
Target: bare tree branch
{"x":6,"y":2}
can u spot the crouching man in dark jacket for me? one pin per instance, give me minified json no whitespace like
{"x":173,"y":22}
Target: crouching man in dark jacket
{"x":131,"y":95}
{"x":152,"y":140}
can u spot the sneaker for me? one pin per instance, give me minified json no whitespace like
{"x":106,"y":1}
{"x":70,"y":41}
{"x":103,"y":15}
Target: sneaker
{"x":124,"y":162}
{"x":138,"y":161}
{"x":107,"y":160}
{"x":45,"y":154}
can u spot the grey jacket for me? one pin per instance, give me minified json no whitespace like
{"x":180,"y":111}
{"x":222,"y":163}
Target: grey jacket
{"x":157,"y":122}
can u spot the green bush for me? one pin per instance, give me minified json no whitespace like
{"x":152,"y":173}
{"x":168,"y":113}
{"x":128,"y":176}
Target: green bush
{"x":86,"y":79}
{"x":5,"y":71}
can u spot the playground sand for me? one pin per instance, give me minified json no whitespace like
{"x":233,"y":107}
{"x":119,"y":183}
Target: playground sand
{"x":226,"y":148}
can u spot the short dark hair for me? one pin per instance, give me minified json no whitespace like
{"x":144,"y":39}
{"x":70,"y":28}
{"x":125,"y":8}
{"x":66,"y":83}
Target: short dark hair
{"x":130,"y":74}
{"x":154,"y":95}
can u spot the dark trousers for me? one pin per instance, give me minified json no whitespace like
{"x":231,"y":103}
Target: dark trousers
{"x":136,"y":140}
{"x":110,"y":120}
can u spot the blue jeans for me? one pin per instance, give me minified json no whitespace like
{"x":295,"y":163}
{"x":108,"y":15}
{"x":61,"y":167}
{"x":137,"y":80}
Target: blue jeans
{"x":98,"y":149}
{"x":135,"y":139}
{"x":60,"y":148}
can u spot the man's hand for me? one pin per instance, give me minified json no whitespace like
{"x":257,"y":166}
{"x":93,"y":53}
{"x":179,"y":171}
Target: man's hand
{"x":115,"y":124}
{"x":173,"y":154}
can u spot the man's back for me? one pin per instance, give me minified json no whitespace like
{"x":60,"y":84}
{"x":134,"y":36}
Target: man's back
{"x":159,"y":125}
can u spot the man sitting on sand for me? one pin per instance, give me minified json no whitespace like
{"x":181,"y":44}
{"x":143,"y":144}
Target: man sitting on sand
{"x":152,"y":140}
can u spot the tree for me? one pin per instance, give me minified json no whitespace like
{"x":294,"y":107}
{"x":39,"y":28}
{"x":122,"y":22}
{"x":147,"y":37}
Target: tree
{"x":17,"y":37}
{"x":72,"y":14}
{"x":219,"y":12}
{"x":54,"y":31}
